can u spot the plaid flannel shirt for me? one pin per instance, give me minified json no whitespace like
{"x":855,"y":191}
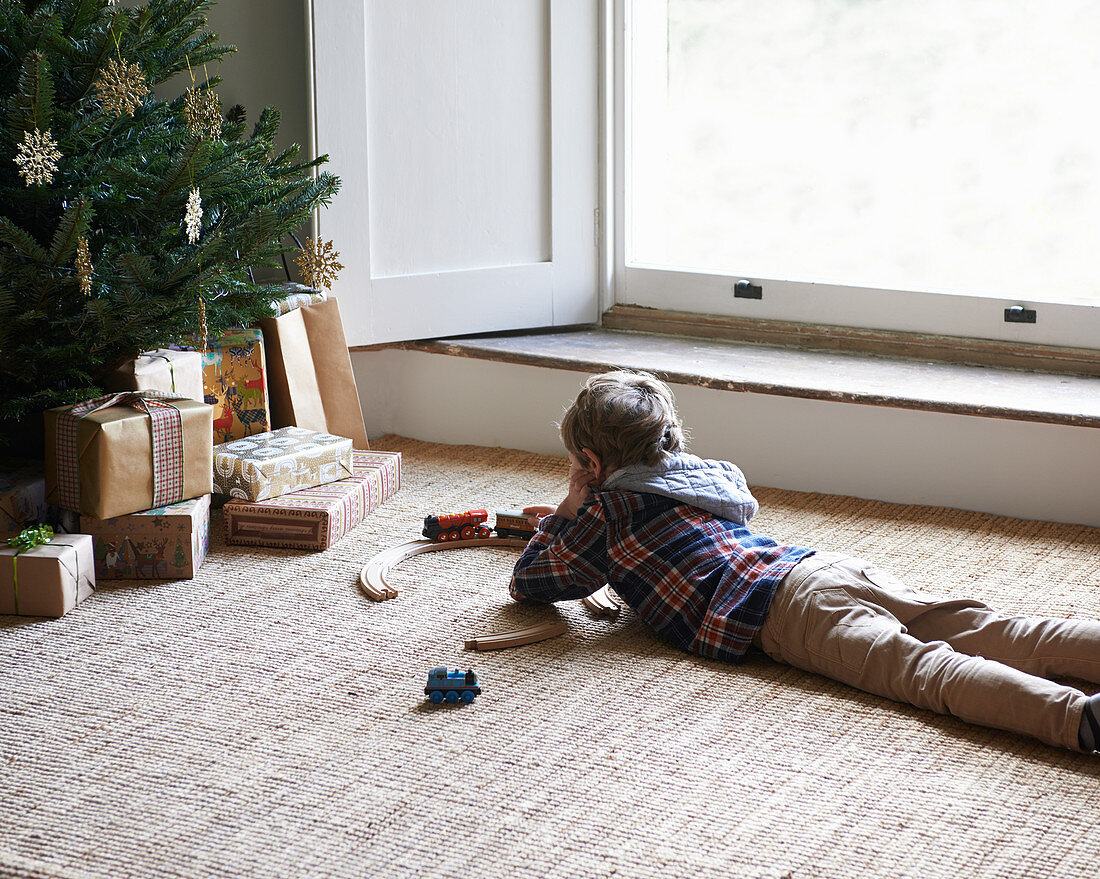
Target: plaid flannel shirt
{"x":703,"y":583}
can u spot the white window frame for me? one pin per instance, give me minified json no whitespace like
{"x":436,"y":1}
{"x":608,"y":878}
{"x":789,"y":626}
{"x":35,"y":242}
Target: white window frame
{"x":901,"y":311}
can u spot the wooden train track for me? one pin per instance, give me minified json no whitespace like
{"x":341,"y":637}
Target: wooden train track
{"x":373,"y":582}
{"x":519,"y":637}
{"x":372,"y":578}
{"x":602,"y":603}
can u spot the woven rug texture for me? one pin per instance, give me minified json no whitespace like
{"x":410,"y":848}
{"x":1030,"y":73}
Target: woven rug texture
{"x":266,"y":719}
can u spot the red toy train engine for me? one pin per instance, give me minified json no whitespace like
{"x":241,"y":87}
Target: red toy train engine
{"x":457,"y":526}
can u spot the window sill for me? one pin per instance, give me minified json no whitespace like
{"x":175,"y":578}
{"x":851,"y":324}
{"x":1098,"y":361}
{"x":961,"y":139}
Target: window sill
{"x":958,"y":389}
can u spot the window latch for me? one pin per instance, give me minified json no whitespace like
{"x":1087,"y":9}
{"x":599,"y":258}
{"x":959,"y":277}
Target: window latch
{"x":1017,"y":314}
{"x":748,"y":290}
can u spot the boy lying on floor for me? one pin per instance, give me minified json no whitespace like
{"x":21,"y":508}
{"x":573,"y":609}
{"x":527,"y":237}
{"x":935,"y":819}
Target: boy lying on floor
{"x":668,"y":531}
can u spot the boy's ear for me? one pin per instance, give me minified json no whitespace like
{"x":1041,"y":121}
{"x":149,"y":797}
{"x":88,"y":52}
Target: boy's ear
{"x":594,"y":464}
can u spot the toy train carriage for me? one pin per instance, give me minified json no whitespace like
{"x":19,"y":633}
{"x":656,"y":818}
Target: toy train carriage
{"x":457,"y":526}
{"x":451,"y":686}
{"x":512,"y":523}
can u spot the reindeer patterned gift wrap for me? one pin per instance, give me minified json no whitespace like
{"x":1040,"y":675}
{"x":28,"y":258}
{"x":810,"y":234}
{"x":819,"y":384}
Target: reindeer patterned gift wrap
{"x":235,"y":384}
{"x":168,"y":543}
{"x":315,"y":518}
{"x":273,"y":464}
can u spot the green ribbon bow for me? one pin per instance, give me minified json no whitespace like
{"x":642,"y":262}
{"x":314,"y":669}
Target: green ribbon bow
{"x":28,"y":538}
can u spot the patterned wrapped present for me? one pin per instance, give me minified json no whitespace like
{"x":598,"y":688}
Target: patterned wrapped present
{"x":295,"y":296}
{"x":174,"y":372}
{"x":315,"y":518}
{"x":127,"y":452}
{"x":45,"y":575}
{"x":22,"y":494}
{"x":168,"y":543}
{"x":235,"y":384}
{"x":23,"y":499}
{"x":273,"y":464}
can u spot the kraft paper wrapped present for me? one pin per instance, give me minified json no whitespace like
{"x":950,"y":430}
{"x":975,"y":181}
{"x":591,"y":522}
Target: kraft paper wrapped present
{"x":174,"y":372}
{"x":315,"y":518}
{"x":276,"y":463}
{"x":46,"y":580}
{"x":22,"y":494}
{"x":127,"y":452}
{"x":235,"y":384}
{"x":310,"y":378}
{"x":168,"y":543}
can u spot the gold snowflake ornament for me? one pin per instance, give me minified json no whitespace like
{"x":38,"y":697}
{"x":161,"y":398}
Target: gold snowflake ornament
{"x":121,"y":87}
{"x":37,"y":157}
{"x":83,"y":266}
{"x":203,"y":111}
{"x":317,"y":260}
{"x":192,"y":218}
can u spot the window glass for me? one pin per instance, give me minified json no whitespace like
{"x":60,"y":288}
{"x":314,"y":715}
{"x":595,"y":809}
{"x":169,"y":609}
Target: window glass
{"x":934,"y":145}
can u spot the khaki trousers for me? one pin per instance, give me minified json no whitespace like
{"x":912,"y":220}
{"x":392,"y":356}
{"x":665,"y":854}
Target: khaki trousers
{"x":841,"y":617}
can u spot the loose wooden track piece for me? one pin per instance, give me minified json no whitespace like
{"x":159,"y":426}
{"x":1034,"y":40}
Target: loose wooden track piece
{"x":519,"y":637}
{"x":372,"y":578}
{"x":602,"y":603}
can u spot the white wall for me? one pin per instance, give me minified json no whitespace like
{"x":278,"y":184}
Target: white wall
{"x":1013,"y":468}
{"x":269,"y":66}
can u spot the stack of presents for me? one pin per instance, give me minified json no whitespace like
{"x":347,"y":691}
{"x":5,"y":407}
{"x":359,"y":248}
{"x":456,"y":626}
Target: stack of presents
{"x":264,"y":425}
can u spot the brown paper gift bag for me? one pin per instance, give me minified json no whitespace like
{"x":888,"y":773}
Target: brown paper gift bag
{"x":310,"y":381}
{"x":113,"y":464}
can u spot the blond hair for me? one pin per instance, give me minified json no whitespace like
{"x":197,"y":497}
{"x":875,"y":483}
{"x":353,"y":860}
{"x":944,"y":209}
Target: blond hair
{"x":626,"y":417}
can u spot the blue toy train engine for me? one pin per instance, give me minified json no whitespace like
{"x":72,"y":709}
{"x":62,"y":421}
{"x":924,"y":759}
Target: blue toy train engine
{"x":451,"y":686}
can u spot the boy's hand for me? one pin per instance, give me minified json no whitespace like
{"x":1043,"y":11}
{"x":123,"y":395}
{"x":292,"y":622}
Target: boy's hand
{"x":535,"y":513}
{"x":580,"y":488}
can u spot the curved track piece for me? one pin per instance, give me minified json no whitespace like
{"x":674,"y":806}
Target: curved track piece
{"x":602,"y":603}
{"x":372,"y":578}
{"x":519,"y":637}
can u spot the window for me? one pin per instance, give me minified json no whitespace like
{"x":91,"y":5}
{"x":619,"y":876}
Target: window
{"x":875,"y":163}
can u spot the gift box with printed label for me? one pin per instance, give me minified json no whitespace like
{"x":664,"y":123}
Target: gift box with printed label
{"x":235,"y":384}
{"x":166,"y":543}
{"x":278,"y":462}
{"x":315,"y":518}
{"x":48,"y":578}
{"x":127,"y":452}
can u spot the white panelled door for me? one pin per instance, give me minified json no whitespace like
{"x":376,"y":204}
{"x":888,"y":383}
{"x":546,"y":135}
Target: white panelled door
{"x":466,"y":136}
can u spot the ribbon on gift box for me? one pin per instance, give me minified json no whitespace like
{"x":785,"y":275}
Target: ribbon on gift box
{"x":167,"y":443}
{"x":152,"y":355}
{"x":26,"y":539}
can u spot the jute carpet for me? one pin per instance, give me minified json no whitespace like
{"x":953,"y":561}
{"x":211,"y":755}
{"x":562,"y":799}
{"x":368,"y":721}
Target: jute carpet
{"x":266,"y":719}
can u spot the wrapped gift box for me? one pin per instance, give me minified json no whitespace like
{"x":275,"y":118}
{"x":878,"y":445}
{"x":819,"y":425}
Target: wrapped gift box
{"x":315,"y":518}
{"x":22,"y":494}
{"x":295,"y":296}
{"x":168,"y":543}
{"x":235,"y":384}
{"x":276,"y":463}
{"x":174,"y":372}
{"x":23,"y":499}
{"x":47,"y":580}
{"x":112,"y":461}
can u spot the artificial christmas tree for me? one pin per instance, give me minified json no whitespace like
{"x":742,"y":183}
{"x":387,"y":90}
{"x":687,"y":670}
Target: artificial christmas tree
{"x":127,"y":222}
